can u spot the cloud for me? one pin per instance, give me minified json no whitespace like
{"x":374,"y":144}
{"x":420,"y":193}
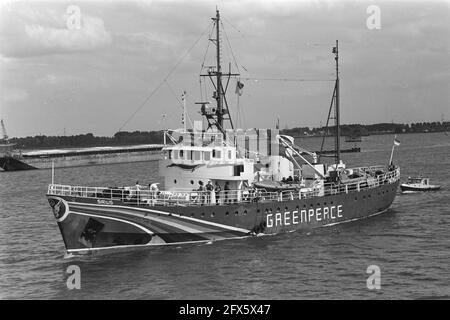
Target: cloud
{"x":13,"y":95}
{"x":34,"y":30}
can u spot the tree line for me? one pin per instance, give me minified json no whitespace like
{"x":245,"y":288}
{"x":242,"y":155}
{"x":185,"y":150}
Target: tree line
{"x":89,"y":140}
{"x":156,"y":137}
{"x":371,"y":129}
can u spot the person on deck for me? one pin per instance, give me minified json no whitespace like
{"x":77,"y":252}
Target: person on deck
{"x":217,"y":190}
{"x":209,"y":189}
{"x":201,"y":196}
{"x":226,"y":189}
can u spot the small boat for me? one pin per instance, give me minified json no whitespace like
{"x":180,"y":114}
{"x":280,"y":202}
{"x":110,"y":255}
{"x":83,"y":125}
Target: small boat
{"x":418,"y":184}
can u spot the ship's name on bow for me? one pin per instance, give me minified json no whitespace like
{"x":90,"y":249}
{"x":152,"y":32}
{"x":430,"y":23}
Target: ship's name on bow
{"x":302,"y":216}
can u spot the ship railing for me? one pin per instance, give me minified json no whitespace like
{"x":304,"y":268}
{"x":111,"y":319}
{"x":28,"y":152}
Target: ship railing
{"x":326,"y":189}
{"x":136,"y":196}
{"x":132,"y":195}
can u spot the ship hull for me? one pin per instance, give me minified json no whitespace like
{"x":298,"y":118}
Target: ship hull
{"x":32,"y":163}
{"x":91,"y":225}
{"x":407,"y":188}
{"x":14,"y":164}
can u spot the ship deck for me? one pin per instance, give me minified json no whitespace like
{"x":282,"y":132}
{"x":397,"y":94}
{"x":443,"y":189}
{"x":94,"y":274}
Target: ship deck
{"x":143,"y":196}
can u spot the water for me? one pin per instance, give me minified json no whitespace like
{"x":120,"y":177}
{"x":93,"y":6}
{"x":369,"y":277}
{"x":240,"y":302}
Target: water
{"x":410,"y":243}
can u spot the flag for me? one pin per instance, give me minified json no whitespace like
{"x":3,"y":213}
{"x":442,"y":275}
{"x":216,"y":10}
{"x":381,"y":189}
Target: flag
{"x":239,"y":88}
{"x":396,"y":142}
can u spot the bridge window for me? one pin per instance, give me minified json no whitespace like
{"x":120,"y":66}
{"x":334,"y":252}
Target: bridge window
{"x":197,"y":155}
{"x":181,"y":154}
{"x":229,"y":154}
{"x":216,"y":154}
{"x":207,"y":155}
{"x":189,"y":154}
{"x":175,"y":154}
{"x":170,"y":154}
{"x":238,"y":170}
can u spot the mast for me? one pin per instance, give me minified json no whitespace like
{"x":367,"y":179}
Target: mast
{"x":337,"y":120}
{"x":221,"y":113}
{"x":219,"y":93}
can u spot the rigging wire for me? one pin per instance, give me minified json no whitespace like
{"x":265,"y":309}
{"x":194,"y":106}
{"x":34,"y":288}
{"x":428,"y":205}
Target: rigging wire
{"x":204,"y":59}
{"x":165,"y":78}
{"x":173,"y":92}
{"x":231,"y":49}
{"x":288,"y":79}
{"x":226,"y":20}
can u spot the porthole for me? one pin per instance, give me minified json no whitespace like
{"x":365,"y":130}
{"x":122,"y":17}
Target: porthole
{"x":236,"y":213}
{"x":203,"y":214}
{"x":192,"y":181}
{"x":278,"y":209}
{"x":245,"y":212}
{"x":213,"y":214}
{"x":258,"y":211}
{"x":175,"y":181}
{"x":192,"y":214}
{"x":286,"y":208}
{"x":227,"y":213}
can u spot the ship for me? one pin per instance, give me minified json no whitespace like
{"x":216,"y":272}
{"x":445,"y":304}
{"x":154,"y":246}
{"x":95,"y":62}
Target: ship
{"x":220,"y":183}
{"x":417,"y":184}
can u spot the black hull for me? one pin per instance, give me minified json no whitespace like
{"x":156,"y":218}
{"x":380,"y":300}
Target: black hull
{"x":89,"y":224}
{"x":13,"y":164}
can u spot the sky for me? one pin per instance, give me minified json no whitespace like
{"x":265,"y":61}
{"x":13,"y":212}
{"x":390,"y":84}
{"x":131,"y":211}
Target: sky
{"x":122,"y":65}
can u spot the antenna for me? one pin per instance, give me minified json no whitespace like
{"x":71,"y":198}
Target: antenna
{"x":183,"y":120}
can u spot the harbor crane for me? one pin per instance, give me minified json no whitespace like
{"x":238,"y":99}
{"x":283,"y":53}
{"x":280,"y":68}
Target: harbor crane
{"x":5,"y":135}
